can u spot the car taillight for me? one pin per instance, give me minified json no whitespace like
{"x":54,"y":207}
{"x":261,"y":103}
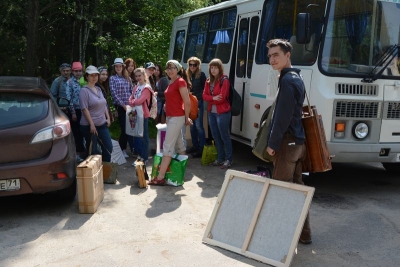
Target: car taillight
{"x":57,"y":131}
{"x":61,"y":175}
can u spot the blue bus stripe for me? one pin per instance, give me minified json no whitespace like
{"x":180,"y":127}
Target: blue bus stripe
{"x":258,"y":95}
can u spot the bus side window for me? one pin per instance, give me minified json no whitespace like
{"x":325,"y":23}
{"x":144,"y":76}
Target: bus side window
{"x":223,"y":52}
{"x":178,"y":47}
{"x":220,"y":35}
{"x":199,"y":50}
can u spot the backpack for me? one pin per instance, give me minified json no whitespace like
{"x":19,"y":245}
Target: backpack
{"x":194,"y":107}
{"x":152,"y":106}
{"x":234,"y":98}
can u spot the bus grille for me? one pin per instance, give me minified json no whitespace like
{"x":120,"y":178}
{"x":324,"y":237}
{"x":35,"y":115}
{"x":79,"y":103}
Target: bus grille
{"x":356,"y":89}
{"x":358,"y":109}
{"x":392,"y":110}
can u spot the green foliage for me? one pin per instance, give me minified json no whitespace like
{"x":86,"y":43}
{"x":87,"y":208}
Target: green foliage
{"x":94,"y":32}
{"x":148,"y":38}
{"x":13,"y":41}
{"x":115,"y":130}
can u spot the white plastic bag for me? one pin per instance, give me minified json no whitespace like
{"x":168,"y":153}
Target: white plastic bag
{"x":134,"y":121}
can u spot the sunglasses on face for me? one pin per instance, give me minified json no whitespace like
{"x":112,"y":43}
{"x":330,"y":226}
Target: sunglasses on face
{"x":193,"y":65}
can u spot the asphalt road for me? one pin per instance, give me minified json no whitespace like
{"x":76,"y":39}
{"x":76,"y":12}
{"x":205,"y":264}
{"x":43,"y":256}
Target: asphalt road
{"x":355,"y":220}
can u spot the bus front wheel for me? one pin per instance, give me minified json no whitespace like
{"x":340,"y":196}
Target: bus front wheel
{"x":391,"y":167}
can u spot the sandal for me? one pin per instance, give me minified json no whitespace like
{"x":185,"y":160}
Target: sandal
{"x":157,"y":181}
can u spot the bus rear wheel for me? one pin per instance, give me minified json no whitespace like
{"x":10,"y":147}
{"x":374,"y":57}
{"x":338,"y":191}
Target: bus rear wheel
{"x":391,"y":167}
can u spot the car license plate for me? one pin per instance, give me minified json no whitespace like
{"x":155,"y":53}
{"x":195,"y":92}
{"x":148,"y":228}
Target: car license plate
{"x":9,"y":185}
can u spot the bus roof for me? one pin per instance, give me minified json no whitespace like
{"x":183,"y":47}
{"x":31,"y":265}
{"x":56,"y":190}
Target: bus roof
{"x":222,"y":5}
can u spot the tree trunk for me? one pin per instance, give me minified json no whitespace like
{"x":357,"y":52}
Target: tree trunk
{"x":85,"y":29}
{"x":99,"y":51}
{"x":32,"y":22}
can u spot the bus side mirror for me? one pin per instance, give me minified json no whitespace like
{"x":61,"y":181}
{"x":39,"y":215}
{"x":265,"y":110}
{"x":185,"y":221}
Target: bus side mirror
{"x":303,"y":30}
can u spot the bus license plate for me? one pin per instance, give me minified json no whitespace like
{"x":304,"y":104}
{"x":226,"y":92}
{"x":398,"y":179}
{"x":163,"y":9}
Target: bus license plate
{"x":9,"y":185}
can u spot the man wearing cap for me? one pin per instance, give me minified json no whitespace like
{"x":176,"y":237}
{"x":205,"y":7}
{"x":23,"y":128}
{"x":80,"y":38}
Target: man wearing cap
{"x":58,"y":87}
{"x":73,"y":89}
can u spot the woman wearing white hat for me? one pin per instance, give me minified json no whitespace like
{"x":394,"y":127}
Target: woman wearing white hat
{"x":96,"y":119}
{"x":121,"y":89}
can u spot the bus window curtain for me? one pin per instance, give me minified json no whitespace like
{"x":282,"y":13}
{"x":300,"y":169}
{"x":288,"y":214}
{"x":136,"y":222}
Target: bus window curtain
{"x":222,"y":37}
{"x":266,"y":30}
{"x":356,"y":26}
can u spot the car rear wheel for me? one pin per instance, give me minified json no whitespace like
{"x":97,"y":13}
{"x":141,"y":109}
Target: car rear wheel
{"x":67,"y":194}
{"x":391,"y":167}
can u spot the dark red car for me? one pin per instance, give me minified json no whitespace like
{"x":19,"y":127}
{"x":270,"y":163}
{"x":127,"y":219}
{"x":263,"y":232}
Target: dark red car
{"x":37,"y":149}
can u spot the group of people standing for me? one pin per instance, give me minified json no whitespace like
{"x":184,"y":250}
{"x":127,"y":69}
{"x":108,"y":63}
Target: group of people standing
{"x":128,"y":85}
{"x":134,"y":86}
{"x":88,"y":111}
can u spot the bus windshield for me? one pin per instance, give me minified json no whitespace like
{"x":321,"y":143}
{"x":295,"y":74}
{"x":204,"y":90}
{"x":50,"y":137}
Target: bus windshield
{"x":359,"y":34}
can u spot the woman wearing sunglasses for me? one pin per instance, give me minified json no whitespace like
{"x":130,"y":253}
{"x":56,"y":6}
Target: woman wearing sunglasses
{"x":198,"y":80}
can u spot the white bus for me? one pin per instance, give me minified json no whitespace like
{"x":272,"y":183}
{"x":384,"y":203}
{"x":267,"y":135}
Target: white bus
{"x":348,"y":53}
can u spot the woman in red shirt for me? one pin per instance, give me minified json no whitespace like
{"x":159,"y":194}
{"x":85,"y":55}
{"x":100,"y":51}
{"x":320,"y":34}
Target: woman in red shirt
{"x":177,"y":108}
{"x":219,"y":112}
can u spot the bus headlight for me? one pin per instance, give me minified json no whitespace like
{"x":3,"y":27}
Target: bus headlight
{"x":360,"y":130}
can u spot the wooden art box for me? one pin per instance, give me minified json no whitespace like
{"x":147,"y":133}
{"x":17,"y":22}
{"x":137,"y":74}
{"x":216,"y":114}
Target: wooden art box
{"x":89,"y":176}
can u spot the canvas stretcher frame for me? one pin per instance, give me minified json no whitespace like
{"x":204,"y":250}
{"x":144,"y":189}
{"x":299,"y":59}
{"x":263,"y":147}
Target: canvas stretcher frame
{"x":242,"y":222}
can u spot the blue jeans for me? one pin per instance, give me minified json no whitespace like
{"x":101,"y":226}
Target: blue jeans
{"x":145,"y":140}
{"x":219,"y":124}
{"x":103,"y":138}
{"x":137,"y":145}
{"x":160,"y":106}
{"x":197,"y":129}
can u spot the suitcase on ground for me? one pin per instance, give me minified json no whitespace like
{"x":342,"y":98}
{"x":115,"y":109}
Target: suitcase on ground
{"x":141,"y":174}
{"x":89,"y":177}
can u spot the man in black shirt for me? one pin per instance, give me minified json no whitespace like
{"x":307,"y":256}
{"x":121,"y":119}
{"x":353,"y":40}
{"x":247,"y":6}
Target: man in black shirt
{"x":286,"y":133}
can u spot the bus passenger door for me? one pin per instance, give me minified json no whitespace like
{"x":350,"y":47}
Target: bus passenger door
{"x":245,"y":42}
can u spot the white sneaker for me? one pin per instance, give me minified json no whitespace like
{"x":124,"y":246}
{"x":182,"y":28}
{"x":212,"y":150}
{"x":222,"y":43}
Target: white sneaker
{"x":124,"y":153}
{"x":226,"y":164}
